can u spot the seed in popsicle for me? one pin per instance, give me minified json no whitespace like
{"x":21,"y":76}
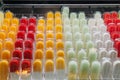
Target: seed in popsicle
{"x":39,"y":54}
{"x":6,"y":55}
{"x":28,"y":54}
{"x":49,"y":54}
{"x":40,"y":45}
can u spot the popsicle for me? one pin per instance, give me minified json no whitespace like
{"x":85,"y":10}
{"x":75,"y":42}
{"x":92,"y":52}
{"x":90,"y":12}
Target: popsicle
{"x":41,"y":21}
{"x":30,"y":35}
{"x":102,"y":53}
{"x":26,"y":69}
{"x":116,"y":70}
{"x":13,"y":28}
{"x":95,"y":70}
{"x":32,"y":20}
{"x":68,"y":45}
{"x":28,"y":44}
{"x":40,"y":28}
{"x":67,"y":28}
{"x":64,"y":16}
{"x":14,"y":69}
{"x":68,"y":36}
{"x":24,"y":20}
{"x":49,"y":44}
{"x":81,"y":55}
{"x":91,"y":22}
{"x":28,"y":54}
{"x":58,"y":28}
{"x":5,"y":28}
{"x":21,"y":35}
{"x":49,"y":70}
{"x":58,"y":21}
{"x":60,"y":53}
{"x":19,"y":44}
{"x":6,"y":21}
{"x":49,"y":28}
{"x":65,"y":9}
{"x":31,"y":27}
{"x":112,"y":54}
{"x":109,"y":44}
{"x":81,"y":15}
{"x":72,"y":70}
{"x":49,"y":54}
{"x":9,"y":14}
{"x":76,"y":36}
{"x":50,"y":14}
{"x":38,"y":54}
{"x":49,"y":35}
{"x":2,"y":35}
{"x":15,"y":21}
{"x":75,"y":22}
{"x":59,"y":36}
{"x":37,"y":70}
{"x":82,"y":23}
{"x":4,"y":70}
{"x":12,"y":35}
{"x":60,"y":68}
{"x":114,"y":14}
{"x":99,"y":44}
{"x":89,"y":45}
{"x":50,"y":21}
{"x":23,"y":27}
{"x":97,"y":15}
{"x":39,"y":36}
{"x":40,"y":45}
{"x":75,"y":29}
{"x":9,"y":45}
{"x":17,"y":54}
{"x":106,"y":15}
{"x":106,"y":71}
{"x":73,"y":15}
{"x":84,"y":70}
{"x":71,"y":55}
{"x":59,"y":45}
{"x":58,"y":14}
{"x":66,"y":21}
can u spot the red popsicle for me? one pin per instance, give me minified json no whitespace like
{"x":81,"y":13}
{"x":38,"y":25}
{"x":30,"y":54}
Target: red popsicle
{"x":107,"y":15}
{"x":117,"y":46}
{"x":31,"y":27}
{"x":28,"y":44}
{"x":30,"y":35}
{"x":26,"y":65}
{"x":24,"y":20}
{"x":23,"y":27}
{"x":107,"y":21}
{"x":14,"y":65}
{"x":21,"y":35}
{"x":17,"y":54}
{"x":19,"y":43}
{"x":118,"y":27}
{"x":28,"y":54}
{"x":111,"y":27}
{"x":114,"y":15}
{"x":32,"y":20}
{"x":115,"y":35}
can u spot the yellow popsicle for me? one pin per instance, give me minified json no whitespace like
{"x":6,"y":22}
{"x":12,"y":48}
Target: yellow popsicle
{"x":2,"y":35}
{"x":6,"y":21}
{"x":58,"y":28}
{"x":57,"y":14}
{"x":4,"y":70}
{"x":50,"y":14}
{"x":60,"y":53}
{"x":40,"y":45}
{"x":5,"y":55}
{"x":41,"y":21}
{"x":15,"y":21}
{"x":39,"y":36}
{"x":49,"y":28}
{"x":60,"y":63}
{"x":37,"y":66}
{"x":9,"y":14}
{"x":39,"y":54}
{"x":58,"y":21}
{"x":40,"y":27}
{"x":49,"y":44}
{"x":59,"y":45}
{"x":50,"y":22}
{"x":49,"y":35}
{"x":9,"y":45}
{"x":49,"y":66}
{"x":59,"y":35}
{"x":13,"y":28}
{"x":12,"y":35}
{"x":49,"y":54}
{"x":5,"y":28}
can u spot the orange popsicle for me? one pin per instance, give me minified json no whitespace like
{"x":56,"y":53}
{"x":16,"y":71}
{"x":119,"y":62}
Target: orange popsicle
{"x":59,"y":35}
{"x":58,"y":28}
{"x":41,"y":21}
{"x":5,"y":28}
{"x":1,"y":47}
{"x":15,"y":21}
{"x":60,"y":63}
{"x":49,"y":44}
{"x":4,"y":70}
{"x":49,"y":54}
{"x":49,"y":35}
{"x":39,"y":36}
{"x":60,"y":53}
{"x":39,"y":54}
{"x":9,"y":45}
{"x":49,"y":66}
{"x":50,"y":14}
{"x":9,"y":15}
{"x":57,"y":14}
{"x":59,"y":45}
{"x":12,"y":35}
{"x":37,"y":66}
{"x":2,"y":35}
{"x":6,"y":55}
{"x":6,"y":21}
{"x":50,"y":22}
{"x":58,"y":21}
{"x":49,"y":28}
{"x":40,"y":27}
{"x":13,"y":28}
{"x":40,"y":45}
